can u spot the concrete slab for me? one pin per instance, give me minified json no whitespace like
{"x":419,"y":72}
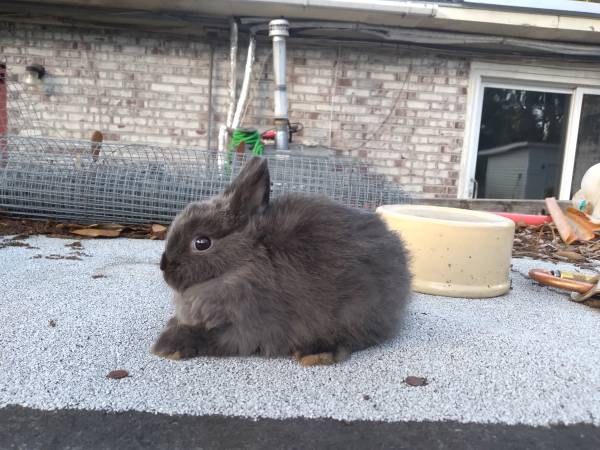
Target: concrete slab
{"x":530,"y":357}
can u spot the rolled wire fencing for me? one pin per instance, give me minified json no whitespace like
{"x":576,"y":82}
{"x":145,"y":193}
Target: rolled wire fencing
{"x":92,"y":182}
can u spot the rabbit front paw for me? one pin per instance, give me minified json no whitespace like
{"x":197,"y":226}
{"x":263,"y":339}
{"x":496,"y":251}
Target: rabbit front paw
{"x":179,"y":342}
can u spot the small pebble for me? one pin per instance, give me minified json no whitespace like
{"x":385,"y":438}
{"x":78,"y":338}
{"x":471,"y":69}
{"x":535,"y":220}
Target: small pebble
{"x":416,"y":381}
{"x":117,"y":374}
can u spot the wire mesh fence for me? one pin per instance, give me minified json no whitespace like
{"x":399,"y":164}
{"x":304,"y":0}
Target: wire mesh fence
{"x":85,"y":181}
{"x":90,"y":182}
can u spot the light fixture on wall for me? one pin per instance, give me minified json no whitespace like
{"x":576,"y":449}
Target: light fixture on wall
{"x":35,"y":74}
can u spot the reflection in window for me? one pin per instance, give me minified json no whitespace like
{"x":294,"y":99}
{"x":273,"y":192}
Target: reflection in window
{"x":521,"y":143}
{"x":588,"y":139}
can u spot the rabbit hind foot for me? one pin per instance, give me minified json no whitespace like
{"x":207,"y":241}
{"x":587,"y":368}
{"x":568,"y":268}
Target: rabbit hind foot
{"x":322,"y":359}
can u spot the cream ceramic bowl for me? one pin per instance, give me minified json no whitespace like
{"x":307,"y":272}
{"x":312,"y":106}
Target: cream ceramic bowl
{"x":454,"y":252}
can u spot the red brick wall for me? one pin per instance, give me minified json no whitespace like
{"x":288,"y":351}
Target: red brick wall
{"x":403,"y":111}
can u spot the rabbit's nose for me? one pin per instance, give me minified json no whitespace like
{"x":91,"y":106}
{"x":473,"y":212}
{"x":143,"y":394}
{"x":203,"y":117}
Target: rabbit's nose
{"x":163,"y":262}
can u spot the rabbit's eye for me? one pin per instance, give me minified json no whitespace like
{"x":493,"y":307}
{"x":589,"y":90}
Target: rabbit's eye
{"x":202,"y":243}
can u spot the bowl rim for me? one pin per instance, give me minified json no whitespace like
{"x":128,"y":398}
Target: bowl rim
{"x":488,"y":219}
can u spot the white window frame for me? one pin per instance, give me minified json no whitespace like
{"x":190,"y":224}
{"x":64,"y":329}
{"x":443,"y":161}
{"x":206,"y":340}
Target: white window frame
{"x":576,"y":81}
{"x":571,"y":140}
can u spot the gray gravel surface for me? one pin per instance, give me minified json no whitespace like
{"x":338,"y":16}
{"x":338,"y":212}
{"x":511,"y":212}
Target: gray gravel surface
{"x":530,"y":357}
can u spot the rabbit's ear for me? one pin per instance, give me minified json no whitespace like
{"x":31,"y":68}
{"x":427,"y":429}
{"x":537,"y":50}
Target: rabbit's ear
{"x":251,"y":189}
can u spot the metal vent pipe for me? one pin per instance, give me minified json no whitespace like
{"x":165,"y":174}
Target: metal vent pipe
{"x":278,"y":30}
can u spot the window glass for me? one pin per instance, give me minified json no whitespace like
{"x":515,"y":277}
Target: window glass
{"x":588,"y":139}
{"x":521,"y":143}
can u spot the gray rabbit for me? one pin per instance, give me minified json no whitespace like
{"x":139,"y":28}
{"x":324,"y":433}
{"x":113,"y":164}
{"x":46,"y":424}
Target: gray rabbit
{"x":297,"y":275}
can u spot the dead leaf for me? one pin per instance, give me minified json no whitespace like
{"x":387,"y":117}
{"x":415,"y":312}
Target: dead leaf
{"x":565,"y":230}
{"x":158,"y":231}
{"x":571,"y":256}
{"x":98,"y":232}
{"x":101,"y":226}
{"x":11,"y":243}
{"x":71,"y":257}
{"x":584,"y":229}
{"x":110,"y":226}
{"x":15,"y":244}
{"x":28,"y":227}
{"x":117,"y":374}
{"x":416,"y":381}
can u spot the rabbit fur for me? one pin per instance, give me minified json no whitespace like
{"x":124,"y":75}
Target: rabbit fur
{"x":299,"y":274}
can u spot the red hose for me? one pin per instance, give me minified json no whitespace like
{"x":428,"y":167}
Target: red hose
{"x":527,"y":219}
